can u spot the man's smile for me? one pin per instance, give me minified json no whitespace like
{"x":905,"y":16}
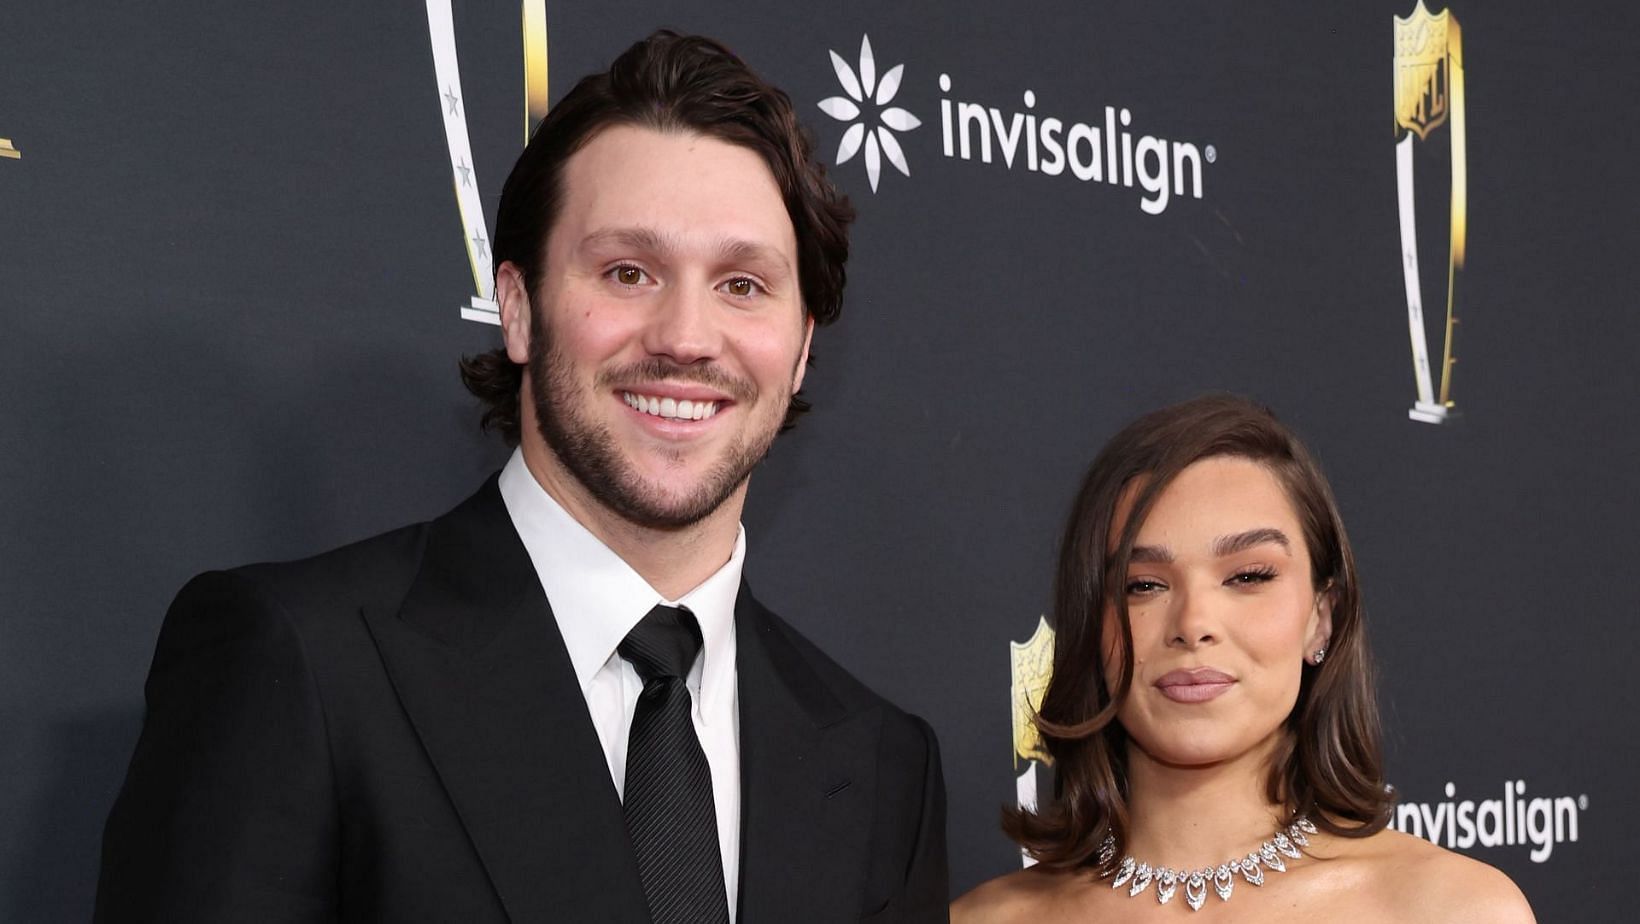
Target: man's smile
{"x":670,"y":408}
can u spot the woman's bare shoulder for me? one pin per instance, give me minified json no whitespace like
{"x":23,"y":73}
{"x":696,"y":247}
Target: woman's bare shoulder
{"x":1023,"y":895}
{"x":1433,"y":883}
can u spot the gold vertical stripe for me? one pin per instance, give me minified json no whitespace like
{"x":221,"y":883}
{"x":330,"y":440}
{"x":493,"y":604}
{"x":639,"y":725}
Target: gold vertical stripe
{"x":1460,"y":195}
{"x":474,"y":262}
{"x":1460,"y":172}
{"x":535,"y":65}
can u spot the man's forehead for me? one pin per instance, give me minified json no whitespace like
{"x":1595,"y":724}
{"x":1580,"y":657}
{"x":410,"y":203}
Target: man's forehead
{"x":675,"y":185}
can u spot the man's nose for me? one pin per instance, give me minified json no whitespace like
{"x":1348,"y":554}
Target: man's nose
{"x":684,"y":325}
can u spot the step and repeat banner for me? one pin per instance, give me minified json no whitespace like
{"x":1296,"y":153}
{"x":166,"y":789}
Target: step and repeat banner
{"x":242,"y":248}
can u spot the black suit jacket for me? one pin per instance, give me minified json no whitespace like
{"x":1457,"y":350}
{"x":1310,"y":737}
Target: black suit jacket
{"x":392,"y":731}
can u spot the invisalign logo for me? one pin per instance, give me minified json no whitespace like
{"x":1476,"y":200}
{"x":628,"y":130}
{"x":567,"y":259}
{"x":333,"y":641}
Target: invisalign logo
{"x":1100,"y":152}
{"x":1108,"y":146}
{"x":1513,"y":820}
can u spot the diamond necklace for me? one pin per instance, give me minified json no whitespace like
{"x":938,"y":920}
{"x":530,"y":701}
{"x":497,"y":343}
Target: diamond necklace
{"x":1138,"y":876}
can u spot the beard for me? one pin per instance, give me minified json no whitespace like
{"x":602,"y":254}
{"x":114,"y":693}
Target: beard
{"x":588,"y":452}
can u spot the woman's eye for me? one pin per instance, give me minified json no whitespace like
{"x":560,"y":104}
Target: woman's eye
{"x":629,"y":275}
{"x":1142,"y":587}
{"x":1249,"y":578}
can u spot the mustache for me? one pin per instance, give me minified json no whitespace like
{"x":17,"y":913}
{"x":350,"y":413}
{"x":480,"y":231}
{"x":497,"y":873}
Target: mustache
{"x":658,"y":368}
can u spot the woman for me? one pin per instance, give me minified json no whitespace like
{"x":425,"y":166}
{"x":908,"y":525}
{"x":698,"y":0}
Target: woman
{"x":1211,"y":716}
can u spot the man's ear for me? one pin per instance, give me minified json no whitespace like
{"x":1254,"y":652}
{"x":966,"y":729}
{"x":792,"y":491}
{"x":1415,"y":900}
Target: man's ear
{"x":803,"y":355}
{"x":513,"y":294}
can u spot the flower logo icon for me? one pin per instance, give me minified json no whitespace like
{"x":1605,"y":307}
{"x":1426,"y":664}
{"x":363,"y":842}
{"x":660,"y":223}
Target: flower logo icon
{"x":864,"y":88}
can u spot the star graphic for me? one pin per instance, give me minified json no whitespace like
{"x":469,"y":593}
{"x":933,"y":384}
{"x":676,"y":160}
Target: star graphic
{"x":480,"y":245}
{"x":466,"y":173}
{"x":866,"y":90}
{"x":449,"y":94}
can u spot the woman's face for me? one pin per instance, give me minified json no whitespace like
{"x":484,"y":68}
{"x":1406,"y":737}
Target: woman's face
{"x":1223,"y":613}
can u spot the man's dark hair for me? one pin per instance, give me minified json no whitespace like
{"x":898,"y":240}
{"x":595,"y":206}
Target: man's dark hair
{"x":669,"y":83}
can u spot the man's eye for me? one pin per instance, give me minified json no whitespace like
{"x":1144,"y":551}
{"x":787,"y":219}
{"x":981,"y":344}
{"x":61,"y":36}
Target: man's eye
{"x":629,"y":275}
{"x":741,"y":287}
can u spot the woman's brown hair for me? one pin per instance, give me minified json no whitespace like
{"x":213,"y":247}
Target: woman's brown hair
{"x":1328,"y":765}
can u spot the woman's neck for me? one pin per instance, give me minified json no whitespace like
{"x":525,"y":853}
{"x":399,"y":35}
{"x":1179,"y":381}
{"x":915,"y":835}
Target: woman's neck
{"x":1190,"y":817}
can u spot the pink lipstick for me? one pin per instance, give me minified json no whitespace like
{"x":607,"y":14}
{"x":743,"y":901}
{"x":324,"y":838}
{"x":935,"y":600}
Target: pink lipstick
{"x":1197,"y":685}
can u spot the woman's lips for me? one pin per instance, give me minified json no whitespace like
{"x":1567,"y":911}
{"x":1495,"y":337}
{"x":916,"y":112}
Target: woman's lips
{"x":1197,"y":685}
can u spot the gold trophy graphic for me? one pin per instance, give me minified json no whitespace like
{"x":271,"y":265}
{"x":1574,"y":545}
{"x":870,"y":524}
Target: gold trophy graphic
{"x":1032,"y":665}
{"x":1429,"y":94}
{"x":7,"y":149}
{"x":447,"y":67}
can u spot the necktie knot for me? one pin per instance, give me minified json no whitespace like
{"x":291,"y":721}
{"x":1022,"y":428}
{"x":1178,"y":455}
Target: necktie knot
{"x":663,"y":644}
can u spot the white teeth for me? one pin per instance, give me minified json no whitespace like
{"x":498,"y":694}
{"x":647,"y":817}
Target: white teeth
{"x":670,"y":408}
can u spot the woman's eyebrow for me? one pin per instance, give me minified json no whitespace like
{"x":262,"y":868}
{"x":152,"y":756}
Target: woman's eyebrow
{"x":1151,"y":555}
{"x":1242,"y":541}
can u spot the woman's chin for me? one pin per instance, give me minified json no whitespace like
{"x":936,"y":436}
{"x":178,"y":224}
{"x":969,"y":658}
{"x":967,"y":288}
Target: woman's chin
{"x":1198,"y":751}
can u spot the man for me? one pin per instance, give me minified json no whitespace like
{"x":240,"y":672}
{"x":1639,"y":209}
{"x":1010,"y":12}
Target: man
{"x":559,"y":701}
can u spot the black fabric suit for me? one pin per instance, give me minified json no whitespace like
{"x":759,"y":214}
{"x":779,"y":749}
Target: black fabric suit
{"x":392,"y":732}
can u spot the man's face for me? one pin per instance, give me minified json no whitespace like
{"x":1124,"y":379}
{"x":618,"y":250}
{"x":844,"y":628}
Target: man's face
{"x":667,"y":333}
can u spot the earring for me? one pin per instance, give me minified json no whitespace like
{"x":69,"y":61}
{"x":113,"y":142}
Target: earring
{"x":1320,"y":655}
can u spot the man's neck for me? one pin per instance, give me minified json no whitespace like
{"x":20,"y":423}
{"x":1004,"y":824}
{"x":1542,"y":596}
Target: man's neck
{"x":673,"y":561}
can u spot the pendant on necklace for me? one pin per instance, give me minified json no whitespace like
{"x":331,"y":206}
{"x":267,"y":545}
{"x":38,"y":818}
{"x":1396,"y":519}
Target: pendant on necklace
{"x":1138,"y":876}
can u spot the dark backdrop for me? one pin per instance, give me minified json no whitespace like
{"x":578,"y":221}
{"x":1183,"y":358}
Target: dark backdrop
{"x":231,"y":265}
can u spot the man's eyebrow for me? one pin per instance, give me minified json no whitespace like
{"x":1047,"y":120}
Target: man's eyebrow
{"x":639,"y":238}
{"x":732,"y":250}
{"x":1241,"y":542}
{"x":735,"y":250}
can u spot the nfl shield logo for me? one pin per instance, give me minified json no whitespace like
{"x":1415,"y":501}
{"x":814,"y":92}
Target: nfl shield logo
{"x":1032,"y":666}
{"x":1424,"y":59}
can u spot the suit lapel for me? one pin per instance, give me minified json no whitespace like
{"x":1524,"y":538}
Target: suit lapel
{"x":480,"y":667}
{"x":807,"y":772}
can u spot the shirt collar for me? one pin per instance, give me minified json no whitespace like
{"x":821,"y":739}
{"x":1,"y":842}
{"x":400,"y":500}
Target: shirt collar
{"x":597,"y":598}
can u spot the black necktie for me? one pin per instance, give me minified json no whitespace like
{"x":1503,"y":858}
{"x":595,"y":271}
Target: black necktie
{"x":668,"y":799}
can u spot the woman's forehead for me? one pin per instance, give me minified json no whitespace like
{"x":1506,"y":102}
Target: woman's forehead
{"x":1208,"y":503}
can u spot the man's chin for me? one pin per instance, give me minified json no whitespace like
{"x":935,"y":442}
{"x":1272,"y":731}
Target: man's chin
{"x":667,"y":496}
{"x":643,"y":506}
{"x":649,"y":486}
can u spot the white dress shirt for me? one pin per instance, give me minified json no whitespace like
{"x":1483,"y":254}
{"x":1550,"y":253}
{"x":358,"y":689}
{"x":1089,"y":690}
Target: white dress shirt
{"x":597,"y":599}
